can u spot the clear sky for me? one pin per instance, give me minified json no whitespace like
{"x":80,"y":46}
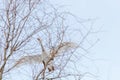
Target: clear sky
{"x":107,"y":50}
{"x":106,"y":53}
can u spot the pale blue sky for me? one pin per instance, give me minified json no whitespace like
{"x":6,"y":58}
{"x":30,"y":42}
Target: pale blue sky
{"x":108,"y":48}
{"x":106,"y":52}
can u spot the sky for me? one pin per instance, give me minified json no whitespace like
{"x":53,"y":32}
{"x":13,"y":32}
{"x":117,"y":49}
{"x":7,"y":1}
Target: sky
{"x":106,"y":51}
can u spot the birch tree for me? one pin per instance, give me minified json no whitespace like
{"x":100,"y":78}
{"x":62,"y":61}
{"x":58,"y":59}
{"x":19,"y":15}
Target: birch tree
{"x":35,"y":34}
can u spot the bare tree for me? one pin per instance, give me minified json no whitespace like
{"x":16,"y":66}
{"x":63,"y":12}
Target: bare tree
{"x":35,"y":34}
